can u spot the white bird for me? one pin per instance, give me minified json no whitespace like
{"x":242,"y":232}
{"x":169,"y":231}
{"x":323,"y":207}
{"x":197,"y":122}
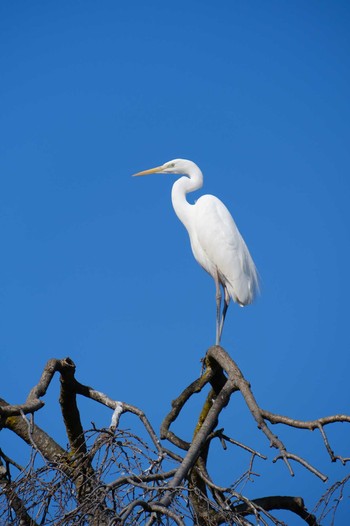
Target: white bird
{"x":216,"y":242}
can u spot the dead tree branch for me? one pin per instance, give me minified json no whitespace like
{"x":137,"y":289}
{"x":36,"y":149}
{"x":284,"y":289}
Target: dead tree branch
{"x":110,"y":476}
{"x":226,"y":378}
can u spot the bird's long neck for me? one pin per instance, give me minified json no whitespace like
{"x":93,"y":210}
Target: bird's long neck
{"x":192,"y":181}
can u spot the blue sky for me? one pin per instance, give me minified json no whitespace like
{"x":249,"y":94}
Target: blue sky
{"x":96,"y":266}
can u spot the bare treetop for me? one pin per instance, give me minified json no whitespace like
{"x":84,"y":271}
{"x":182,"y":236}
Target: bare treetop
{"x":113,"y":476}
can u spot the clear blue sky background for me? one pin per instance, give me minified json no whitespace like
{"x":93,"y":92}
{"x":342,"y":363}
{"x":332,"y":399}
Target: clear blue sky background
{"x":96,"y":266}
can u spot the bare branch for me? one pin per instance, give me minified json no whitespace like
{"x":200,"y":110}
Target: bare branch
{"x":178,"y":404}
{"x":33,"y":402}
{"x":301,"y":424}
{"x":199,"y":441}
{"x":153,"y":508}
{"x":330,"y":501}
{"x":293,"y":504}
{"x":311,"y":425}
{"x":130,"y":479}
{"x":43,"y":442}
{"x":13,"y":500}
{"x":220,"y":434}
{"x":259,"y":415}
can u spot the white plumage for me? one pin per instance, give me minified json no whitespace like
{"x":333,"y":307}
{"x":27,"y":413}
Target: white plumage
{"x":215,"y":239}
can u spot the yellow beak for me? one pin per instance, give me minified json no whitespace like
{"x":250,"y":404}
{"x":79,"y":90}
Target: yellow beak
{"x":155,"y":170}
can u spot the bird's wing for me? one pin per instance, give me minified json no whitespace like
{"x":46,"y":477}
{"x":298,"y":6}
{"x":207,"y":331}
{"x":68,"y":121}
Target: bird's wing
{"x":223,"y":248}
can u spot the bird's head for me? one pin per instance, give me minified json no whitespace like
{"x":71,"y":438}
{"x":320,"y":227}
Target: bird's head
{"x":176,"y":166}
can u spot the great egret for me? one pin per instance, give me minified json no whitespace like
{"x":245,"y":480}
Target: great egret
{"x":215,"y":240}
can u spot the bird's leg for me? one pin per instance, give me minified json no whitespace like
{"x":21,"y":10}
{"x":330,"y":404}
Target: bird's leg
{"x":218,"y":308}
{"x":224,"y":310}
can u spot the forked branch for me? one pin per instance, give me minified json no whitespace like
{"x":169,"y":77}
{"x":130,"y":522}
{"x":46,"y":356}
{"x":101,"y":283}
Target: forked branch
{"x":226,"y":378}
